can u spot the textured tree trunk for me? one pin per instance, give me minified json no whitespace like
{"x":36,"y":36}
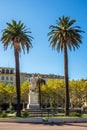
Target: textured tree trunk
{"x":66,"y":81}
{"x":17,"y":82}
{"x":39,"y":83}
{"x":39,"y":95}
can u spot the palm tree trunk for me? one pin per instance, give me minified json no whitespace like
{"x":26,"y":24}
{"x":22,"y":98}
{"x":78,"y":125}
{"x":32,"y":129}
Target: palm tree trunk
{"x":66,"y":81}
{"x":17,"y":82}
{"x":40,"y":96}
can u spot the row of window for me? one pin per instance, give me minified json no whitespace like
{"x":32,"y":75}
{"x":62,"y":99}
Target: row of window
{"x":7,"y":78}
{"x":7,"y":71}
{"x":9,"y":83}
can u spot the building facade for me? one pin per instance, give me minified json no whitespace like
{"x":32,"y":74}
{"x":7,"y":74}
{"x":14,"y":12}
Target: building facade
{"x":7,"y":75}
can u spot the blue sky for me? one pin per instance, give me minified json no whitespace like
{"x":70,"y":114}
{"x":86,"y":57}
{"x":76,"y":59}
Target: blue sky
{"x":38,"y":15}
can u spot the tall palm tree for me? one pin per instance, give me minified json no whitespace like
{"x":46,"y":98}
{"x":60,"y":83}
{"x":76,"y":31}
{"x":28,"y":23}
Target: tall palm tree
{"x":17,"y":36}
{"x":63,"y":36}
{"x":40,"y":81}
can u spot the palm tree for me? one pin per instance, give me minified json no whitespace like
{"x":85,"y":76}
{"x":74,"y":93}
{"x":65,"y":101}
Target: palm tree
{"x":40,"y":82}
{"x":17,"y":36}
{"x":63,"y":36}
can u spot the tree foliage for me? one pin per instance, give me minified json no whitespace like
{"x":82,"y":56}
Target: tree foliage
{"x":24,"y":91}
{"x":52,"y":93}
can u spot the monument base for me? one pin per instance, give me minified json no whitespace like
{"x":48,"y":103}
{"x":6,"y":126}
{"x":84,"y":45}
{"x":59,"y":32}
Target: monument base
{"x":33,"y":101}
{"x":33,"y":106}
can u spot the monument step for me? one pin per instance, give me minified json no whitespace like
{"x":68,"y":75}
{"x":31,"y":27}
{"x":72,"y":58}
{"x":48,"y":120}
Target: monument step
{"x":39,"y":112}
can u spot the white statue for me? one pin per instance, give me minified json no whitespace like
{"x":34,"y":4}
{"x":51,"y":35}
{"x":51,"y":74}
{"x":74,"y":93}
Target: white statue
{"x":33,"y":81}
{"x":33,"y":101}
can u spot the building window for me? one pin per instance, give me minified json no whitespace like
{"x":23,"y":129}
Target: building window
{"x":7,"y":78}
{"x":11,"y":78}
{"x":7,"y":71}
{"x":9,"y":83}
{"x":11,"y":71}
{"x":2,"y":77}
{"x":3,"y":71}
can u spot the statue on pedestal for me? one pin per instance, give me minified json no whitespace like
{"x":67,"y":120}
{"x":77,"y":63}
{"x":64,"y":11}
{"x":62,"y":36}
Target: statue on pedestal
{"x":33,"y":101}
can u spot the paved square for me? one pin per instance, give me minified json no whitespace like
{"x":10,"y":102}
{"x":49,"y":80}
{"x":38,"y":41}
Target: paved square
{"x":28,"y":126}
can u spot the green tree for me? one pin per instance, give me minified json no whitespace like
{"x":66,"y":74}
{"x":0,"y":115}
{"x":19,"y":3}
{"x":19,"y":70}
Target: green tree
{"x":77,"y":93}
{"x":10,"y":94}
{"x":17,"y":36}
{"x":2,"y":92}
{"x":24,"y":92}
{"x":62,"y":36}
{"x":52,"y":93}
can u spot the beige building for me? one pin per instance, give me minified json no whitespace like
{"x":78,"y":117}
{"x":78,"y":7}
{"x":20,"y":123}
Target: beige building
{"x":7,"y":75}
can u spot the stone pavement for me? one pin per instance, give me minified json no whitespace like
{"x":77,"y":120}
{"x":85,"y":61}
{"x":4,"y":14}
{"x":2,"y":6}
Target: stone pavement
{"x":33,"y":126}
{"x":41,"y":120}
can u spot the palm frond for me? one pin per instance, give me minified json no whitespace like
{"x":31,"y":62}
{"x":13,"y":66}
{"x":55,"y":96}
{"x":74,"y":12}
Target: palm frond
{"x":65,"y":32}
{"x":17,"y":32}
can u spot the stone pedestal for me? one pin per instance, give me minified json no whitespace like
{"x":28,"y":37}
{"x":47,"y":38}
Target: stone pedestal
{"x":33,"y":102}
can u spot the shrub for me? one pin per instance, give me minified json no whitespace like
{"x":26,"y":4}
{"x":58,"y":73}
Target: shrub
{"x":25,"y":114}
{"x":11,"y":112}
{"x":77,"y":114}
{"x":3,"y":114}
{"x":54,"y":112}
